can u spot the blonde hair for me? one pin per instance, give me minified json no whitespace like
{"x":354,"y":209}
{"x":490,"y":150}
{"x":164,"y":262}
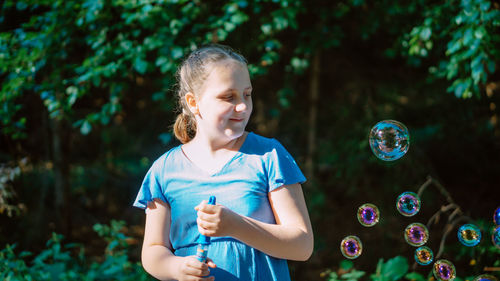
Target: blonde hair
{"x":191,"y":75}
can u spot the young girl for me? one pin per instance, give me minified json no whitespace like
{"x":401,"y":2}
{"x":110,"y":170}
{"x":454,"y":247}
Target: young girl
{"x":260,"y":219}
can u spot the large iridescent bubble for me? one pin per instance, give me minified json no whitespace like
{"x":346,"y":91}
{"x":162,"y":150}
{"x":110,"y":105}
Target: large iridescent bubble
{"x":469,"y":235}
{"x":368,"y":215}
{"x":495,"y":237}
{"x":408,"y":203}
{"x":389,"y":140}
{"x":416,"y":234}
{"x":351,"y":247}
{"x":424,"y":255}
{"x":444,"y":270}
{"x":485,"y":277}
{"x":496,"y":216}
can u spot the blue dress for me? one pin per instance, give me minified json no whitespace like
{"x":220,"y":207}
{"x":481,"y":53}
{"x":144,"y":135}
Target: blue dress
{"x":242,"y":185}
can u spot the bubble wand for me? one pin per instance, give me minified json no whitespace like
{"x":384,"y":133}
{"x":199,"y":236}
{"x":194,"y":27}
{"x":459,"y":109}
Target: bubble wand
{"x":203,"y":241}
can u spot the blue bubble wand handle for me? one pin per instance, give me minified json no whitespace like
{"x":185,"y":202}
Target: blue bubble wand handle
{"x":203,"y":241}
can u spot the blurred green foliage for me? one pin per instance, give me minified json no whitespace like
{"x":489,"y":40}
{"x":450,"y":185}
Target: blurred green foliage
{"x":66,"y":52}
{"x":394,"y":269}
{"x":469,"y":28}
{"x":60,"y":261}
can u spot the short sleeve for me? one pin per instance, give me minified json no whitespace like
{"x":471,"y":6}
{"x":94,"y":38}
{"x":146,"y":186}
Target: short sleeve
{"x":150,"y":188}
{"x":283,"y":170}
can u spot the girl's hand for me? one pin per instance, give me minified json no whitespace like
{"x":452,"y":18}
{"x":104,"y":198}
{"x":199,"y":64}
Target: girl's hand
{"x":192,"y":269}
{"x":215,"y":220}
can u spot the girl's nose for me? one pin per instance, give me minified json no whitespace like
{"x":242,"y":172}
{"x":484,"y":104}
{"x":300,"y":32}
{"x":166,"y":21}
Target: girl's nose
{"x":241,"y":106}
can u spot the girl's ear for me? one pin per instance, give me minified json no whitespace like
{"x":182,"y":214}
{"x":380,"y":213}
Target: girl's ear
{"x":192,"y":103}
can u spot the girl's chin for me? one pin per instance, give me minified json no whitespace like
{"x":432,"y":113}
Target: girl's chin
{"x":234,"y":133}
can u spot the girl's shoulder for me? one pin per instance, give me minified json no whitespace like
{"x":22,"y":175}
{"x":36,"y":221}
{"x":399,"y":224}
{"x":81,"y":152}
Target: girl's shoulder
{"x":261,"y":143}
{"x":169,"y":156}
{"x":253,"y":137}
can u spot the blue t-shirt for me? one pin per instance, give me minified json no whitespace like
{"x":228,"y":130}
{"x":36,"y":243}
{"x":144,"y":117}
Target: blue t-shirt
{"x":242,"y":185}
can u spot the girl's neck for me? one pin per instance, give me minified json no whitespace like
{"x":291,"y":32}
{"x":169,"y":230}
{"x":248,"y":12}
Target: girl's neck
{"x":212,"y":156}
{"x":205,"y":145}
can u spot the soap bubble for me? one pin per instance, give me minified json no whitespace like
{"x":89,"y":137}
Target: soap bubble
{"x":368,"y":215}
{"x":416,"y":234}
{"x":389,"y":140}
{"x":424,"y":255}
{"x":495,"y":237}
{"x":496,"y":216}
{"x":444,"y":270}
{"x":351,"y":247}
{"x":469,"y":235}
{"x":485,"y":277}
{"x":408,"y":204}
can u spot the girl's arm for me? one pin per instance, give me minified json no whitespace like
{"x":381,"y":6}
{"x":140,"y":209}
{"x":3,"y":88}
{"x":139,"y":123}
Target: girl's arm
{"x":157,"y":256}
{"x":290,"y":238}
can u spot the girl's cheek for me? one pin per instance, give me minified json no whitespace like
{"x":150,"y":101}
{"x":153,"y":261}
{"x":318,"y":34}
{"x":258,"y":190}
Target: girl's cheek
{"x":227,"y":110}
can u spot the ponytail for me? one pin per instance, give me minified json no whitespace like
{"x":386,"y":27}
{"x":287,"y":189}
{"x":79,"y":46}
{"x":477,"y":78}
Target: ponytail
{"x":184,"y":127}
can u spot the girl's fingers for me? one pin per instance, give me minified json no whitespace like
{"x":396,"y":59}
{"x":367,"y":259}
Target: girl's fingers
{"x":207,"y":208}
{"x":204,"y":202}
{"x":206,"y":228}
{"x":210,"y":263}
{"x":196,"y":268}
{"x":208,"y":217}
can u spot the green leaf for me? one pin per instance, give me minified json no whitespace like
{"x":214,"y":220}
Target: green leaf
{"x":177,"y":52}
{"x":239,"y":18}
{"x":165,"y":138}
{"x":485,"y":6}
{"x":333,"y":276}
{"x":468,"y":35}
{"x":392,"y":270}
{"x":72,"y":92}
{"x":85,"y":128}
{"x":414,"y":276}
{"x":425,"y":33}
{"x":140,"y":65}
{"x":229,"y":26}
{"x":266,"y":28}
{"x":346,"y":264}
{"x":353,"y":275}
{"x":479,"y":33}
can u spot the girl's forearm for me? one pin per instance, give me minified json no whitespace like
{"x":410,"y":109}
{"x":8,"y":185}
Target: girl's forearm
{"x":281,"y":241}
{"x":160,"y":262}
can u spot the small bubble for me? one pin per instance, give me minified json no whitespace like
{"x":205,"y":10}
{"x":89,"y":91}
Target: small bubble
{"x":444,"y":270}
{"x":496,"y":216}
{"x":424,"y":255}
{"x":485,"y":277}
{"x":495,"y":237}
{"x":389,"y":140}
{"x":408,"y":204}
{"x":351,"y":247}
{"x":368,"y":215}
{"x":469,"y":235}
{"x":416,"y":234}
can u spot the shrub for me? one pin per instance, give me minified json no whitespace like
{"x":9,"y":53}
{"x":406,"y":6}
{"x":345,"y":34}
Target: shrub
{"x":68,"y":261}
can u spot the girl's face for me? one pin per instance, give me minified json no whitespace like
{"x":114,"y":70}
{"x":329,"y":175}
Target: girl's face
{"x":224,"y":103}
